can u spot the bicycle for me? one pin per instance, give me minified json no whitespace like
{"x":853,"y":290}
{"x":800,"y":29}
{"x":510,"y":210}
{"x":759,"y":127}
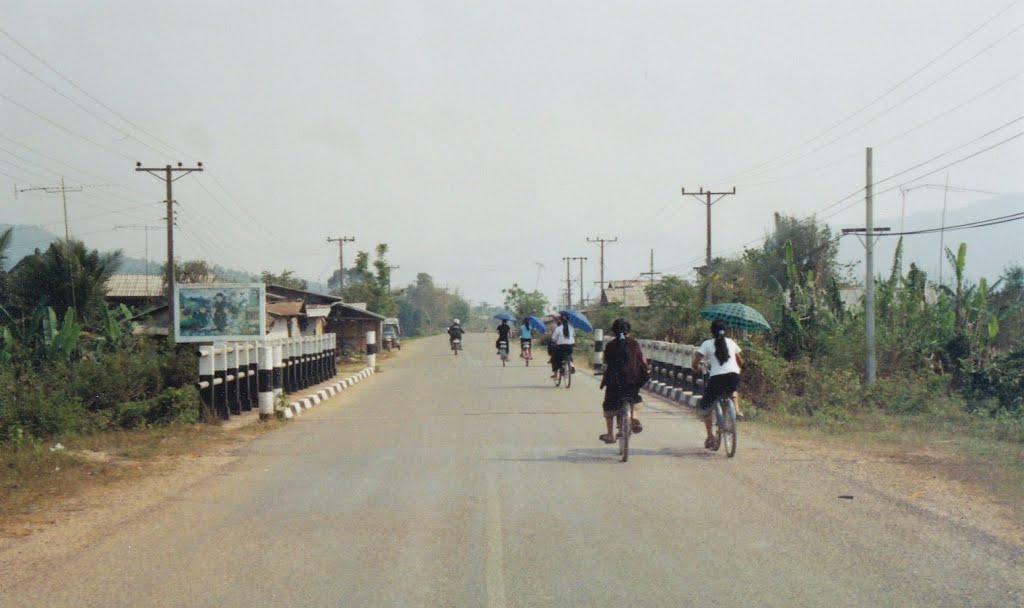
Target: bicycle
{"x":724,"y":419}
{"x":527,"y":353}
{"x":564,"y":371}
{"x":503,"y":352}
{"x":625,"y":422}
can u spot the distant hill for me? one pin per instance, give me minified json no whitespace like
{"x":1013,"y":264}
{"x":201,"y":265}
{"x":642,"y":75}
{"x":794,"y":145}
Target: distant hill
{"x":26,"y":239}
{"x":989,"y":250}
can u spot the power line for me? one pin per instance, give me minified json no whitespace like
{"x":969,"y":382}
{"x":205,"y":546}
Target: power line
{"x":915,"y":73}
{"x":62,"y":127}
{"x":90,"y":96}
{"x":992,"y":221}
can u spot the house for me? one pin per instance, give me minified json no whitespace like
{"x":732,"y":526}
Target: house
{"x":135,"y":289}
{"x":348,"y":322}
{"x":628,"y":294}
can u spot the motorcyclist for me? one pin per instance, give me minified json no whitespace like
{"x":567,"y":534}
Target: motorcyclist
{"x":454,"y":331}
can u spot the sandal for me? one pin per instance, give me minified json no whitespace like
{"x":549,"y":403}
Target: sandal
{"x":636,"y":427}
{"x":607,"y":438}
{"x":710,"y":442}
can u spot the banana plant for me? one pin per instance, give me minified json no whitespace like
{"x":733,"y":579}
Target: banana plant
{"x":55,"y":341}
{"x":6,"y":346}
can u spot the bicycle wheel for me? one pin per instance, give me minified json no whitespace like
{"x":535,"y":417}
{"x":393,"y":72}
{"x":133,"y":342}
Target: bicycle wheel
{"x":567,"y":372}
{"x":558,"y":376}
{"x":625,"y":429}
{"x":729,"y":432}
{"x":719,"y":423}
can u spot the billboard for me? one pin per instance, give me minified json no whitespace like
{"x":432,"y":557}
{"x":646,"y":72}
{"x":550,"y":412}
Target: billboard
{"x":210,"y":312}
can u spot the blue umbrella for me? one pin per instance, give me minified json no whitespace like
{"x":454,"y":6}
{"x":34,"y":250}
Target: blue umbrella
{"x":577,"y":320}
{"x":536,"y":324}
{"x":504,"y":316}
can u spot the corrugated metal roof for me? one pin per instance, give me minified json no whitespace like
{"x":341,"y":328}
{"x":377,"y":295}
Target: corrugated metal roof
{"x":135,"y":286}
{"x":291,"y":308}
{"x":317,"y":310}
{"x":629,"y":294}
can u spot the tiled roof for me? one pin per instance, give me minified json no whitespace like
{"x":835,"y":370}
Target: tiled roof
{"x":135,"y":286}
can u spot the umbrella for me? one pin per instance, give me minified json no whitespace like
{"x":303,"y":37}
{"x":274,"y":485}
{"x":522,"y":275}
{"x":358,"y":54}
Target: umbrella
{"x":536,"y":324}
{"x":736,"y":316}
{"x":504,"y":316}
{"x":577,"y":320}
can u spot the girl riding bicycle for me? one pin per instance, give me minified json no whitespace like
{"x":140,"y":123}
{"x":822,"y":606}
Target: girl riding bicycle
{"x":625,"y":373}
{"x":724,"y":364}
{"x":563,"y":337}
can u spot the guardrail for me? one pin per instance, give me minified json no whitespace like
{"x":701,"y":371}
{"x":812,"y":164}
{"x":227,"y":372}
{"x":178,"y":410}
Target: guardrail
{"x":234,"y":377}
{"x":671,"y":374}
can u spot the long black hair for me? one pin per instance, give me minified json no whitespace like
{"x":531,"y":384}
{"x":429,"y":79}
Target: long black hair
{"x":565,"y":325}
{"x":620,"y":327}
{"x":721,"y":348}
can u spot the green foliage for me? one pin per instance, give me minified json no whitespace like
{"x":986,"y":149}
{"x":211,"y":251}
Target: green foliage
{"x":999,"y":386}
{"x":370,"y":286}
{"x":287,"y":279}
{"x":66,"y":275}
{"x":171,"y":405}
{"x":54,"y":341}
{"x":522,"y":303}
{"x":424,"y":308}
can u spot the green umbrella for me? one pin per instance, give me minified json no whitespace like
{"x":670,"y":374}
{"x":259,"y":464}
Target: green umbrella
{"x":736,"y":316}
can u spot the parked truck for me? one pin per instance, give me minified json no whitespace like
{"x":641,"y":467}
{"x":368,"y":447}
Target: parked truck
{"x":391,"y":332}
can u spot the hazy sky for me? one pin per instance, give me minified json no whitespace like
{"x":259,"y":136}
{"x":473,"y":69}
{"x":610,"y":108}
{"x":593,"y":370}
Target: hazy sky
{"x":481,"y":138}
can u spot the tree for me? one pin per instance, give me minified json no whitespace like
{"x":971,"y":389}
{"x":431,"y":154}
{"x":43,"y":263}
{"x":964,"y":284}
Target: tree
{"x":371,"y":286}
{"x":523,"y":303}
{"x":814,"y":249}
{"x":424,"y":308}
{"x":66,"y":275}
{"x":287,"y":279}
{"x":191,"y":271}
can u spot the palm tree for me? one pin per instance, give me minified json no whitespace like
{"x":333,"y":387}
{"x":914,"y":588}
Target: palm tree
{"x":66,"y":275}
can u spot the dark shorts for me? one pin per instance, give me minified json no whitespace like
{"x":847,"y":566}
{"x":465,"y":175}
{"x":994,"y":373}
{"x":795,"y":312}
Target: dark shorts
{"x":616,"y":396}
{"x":722,"y":385}
{"x":525,"y":341}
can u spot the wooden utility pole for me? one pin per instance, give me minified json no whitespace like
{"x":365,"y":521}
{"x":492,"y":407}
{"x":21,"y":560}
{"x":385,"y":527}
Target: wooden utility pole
{"x":869,"y":232}
{"x":651,"y":274}
{"x":601,"y":242}
{"x":707,"y":256}
{"x":568,"y":281}
{"x":341,"y":240}
{"x":168,"y":177}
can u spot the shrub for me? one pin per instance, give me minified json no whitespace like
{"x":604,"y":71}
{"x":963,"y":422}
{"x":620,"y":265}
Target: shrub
{"x":174,"y":405}
{"x":999,"y":387}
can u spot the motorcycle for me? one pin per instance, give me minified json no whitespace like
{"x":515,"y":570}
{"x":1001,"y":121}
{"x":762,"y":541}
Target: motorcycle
{"x":527,"y":353}
{"x":456,"y":345}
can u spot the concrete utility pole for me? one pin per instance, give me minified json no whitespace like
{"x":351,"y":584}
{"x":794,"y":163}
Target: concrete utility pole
{"x":390,"y":268}
{"x":146,"y":229}
{"x":341,"y":240}
{"x":581,"y":281}
{"x":168,"y":177}
{"x":707,"y":256}
{"x":568,"y":280}
{"x":651,"y":274}
{"x":67,"y":230}
{"x":869,"y":232}
{"x":601,"y":242}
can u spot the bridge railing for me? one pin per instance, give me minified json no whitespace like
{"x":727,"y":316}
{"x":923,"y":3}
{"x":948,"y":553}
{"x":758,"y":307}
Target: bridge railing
{"x":235,"y":377}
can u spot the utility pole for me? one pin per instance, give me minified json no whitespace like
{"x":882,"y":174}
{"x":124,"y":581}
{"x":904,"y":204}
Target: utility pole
{"x":601,"y":242}
{"x":146,"y":229}
{"x":540,"y":267}
{"x":390,"y":268}
{"x":168,"y":177}
{"x":707,"y":256}
{"x":341,"y":240}
{"x":581,"y":281}
{"x":651,"y":274}
{"x":67,"y":230}
{"x":869,"y":232}
{"x":568,"y":284}
{"x":568,"y":281}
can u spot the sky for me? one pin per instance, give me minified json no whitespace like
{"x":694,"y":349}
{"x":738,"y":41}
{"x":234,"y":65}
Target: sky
{"x":486,"y":141}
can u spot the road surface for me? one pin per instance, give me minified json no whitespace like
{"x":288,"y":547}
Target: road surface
{"x":451,"y":481}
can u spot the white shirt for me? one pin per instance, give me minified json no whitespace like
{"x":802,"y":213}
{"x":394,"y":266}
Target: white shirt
{"x":559,"y":338}
{"x":731,"y":366}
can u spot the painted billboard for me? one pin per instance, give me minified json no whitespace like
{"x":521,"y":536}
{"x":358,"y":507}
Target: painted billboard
{"x":212,"y":312}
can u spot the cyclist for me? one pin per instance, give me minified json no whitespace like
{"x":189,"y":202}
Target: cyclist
{"x":563,"y":338}
{"x":724,"y":365}
{"x":625,"y":373}
{"x":504,"y":331}
{"x":454,"y":331}
{"x":525,"y":336}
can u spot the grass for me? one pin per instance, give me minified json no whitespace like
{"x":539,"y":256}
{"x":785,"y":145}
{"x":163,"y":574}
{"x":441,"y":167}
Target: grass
{"x":978,"y":450}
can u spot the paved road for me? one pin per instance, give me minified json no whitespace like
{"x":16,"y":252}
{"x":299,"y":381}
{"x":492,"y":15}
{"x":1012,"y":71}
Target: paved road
{"x":450,"y":481}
